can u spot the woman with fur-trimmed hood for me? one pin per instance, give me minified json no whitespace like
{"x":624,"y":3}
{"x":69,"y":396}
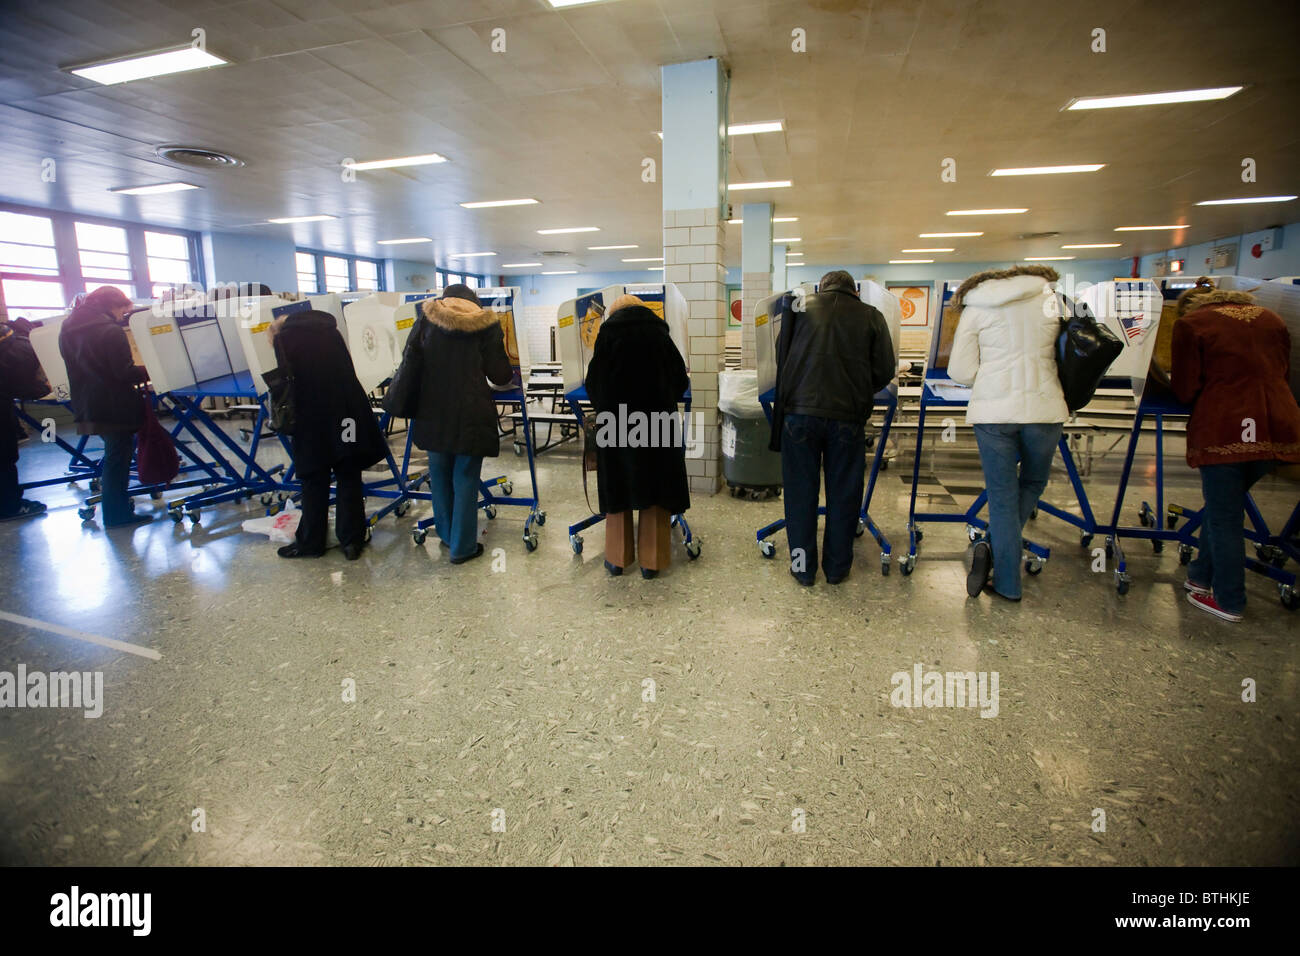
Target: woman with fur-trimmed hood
{"x":463,"y":347}
{"x":1231,"y":363}
{"x":1005,"y":349}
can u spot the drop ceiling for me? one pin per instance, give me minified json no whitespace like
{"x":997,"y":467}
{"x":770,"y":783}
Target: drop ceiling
{"x":885,"y":93}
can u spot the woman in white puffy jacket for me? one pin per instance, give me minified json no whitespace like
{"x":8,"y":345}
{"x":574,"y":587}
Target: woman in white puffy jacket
{"x":1004,"y":349}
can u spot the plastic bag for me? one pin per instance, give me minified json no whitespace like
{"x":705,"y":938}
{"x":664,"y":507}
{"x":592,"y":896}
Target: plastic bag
{"x":738,"y":394}
{"x":281,"y":527}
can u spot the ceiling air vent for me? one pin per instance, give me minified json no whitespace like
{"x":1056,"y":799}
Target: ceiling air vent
{"x":1038,"y":235}
{"x":197,"y":156}
{"x":553,"y":252}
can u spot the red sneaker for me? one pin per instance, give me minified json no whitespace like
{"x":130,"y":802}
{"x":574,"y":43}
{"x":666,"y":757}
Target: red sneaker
{"x":1206,"y":602}
{"x":1194,"y":588}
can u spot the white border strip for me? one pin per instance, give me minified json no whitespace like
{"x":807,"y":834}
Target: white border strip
{"x":148,"y":652}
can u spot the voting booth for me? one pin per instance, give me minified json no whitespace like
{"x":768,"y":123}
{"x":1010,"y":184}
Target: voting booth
{"x":579,"y":320}
{"x":255,"y":326}
{"x":505,"y":301}
{"x":375,"y":336}
{"x":1131,"y":309}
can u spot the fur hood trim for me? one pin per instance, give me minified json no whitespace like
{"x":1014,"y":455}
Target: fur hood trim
{"x":1219,"y":297}
{"x":458,"y":315}
{"x":1046,"y":272}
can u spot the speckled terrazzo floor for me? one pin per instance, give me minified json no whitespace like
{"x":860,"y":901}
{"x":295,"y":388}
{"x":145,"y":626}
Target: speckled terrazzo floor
{"x":522,"y":690}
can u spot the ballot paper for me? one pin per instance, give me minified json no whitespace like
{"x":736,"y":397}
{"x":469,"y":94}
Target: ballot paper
{"x":950,"y":391}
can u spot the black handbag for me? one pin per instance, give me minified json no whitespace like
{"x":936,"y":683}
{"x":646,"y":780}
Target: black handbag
{"x":280,"y":383}
{"x":1085,"y":350}
{"x":402,"y":397}
{"x":21,"y":375}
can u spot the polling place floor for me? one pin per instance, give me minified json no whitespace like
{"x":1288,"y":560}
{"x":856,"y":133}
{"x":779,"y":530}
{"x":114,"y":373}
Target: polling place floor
{"x":504,"y":713}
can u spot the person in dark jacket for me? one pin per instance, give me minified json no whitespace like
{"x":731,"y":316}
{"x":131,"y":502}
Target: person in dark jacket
{"x":106,"y":395}
{"x":635,"y":379}
{"x":463,"y":347}
{"x":334,"y":430}
{"x":832,"y":358}
{"x":1231,"y":363}
{"x":21,"y":376}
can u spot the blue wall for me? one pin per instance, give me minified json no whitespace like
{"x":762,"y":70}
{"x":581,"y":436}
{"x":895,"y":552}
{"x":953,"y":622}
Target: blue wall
{"x":231,"y":257}
{"x":1277,"y":262}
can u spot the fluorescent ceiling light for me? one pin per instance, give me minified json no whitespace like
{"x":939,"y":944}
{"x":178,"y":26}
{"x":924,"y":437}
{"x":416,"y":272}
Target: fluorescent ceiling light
{"x":788,"y":239}
{"x":291,"y":219}
{"x":1142,"y":228}
{"x":647,"y":259}
{"x":1248,"y":199}
{"x":929,"y":250}
{"x":556,"y":232}
{"x":737,"y":222}
{"x":1093,"y":245}
{"x":569,"y":3}
{"x":562,"y":272}
{"x":1046,"y":170}
{"x":471,"y":255}
{"x":1046,"y":258}
{"x":774,"y":184}
{"x":402,"y":242}
{"x":600,"y":248}
{"x":149,"y":65}
{"x":740,"y":129}
{"x":655,"y":269}
{"x":518,"y":265}
{"x":1151,"y":99}
{"x":424,"y":160}
{"x":908,"y":262}
{"x":493,"y":203}
{"x":947,"y":235}
{"x":790,"y":254}
{"x":984,"y":212}
{"x":153,"y":190}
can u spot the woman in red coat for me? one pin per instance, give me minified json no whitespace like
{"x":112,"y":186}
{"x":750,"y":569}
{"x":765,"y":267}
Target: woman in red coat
{"x":1231,"y":362}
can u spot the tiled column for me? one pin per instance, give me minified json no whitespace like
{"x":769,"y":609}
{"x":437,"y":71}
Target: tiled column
{"x":755,"y":271}
{"x":694,"y":190}
{"x":779,"y":280}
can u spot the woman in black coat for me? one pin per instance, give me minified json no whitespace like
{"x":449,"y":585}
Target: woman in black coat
{"x":635,"y":379}
{"x":334,"y":430}
{"x":462,"y":347}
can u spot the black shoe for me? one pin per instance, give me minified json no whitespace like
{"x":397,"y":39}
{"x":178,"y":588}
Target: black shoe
{"x":125,"y":522}
{"x":981,"y":562}
{"x":353,"y":550}
{"x":838,"y":579}
{"x":478,"y":550}
{"x":613,"y":569}
{"x":26,"y":509}
{"x":996,"y":593}
{"x":804,"y":581}
{"x":294,"y":550}
{"x":649,"y":573}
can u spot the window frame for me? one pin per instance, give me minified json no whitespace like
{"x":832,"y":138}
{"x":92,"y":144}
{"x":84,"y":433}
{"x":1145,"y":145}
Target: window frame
{"x":320,"y":254}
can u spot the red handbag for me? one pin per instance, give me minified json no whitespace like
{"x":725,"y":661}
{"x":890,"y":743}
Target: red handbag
{"x":156,"y":460}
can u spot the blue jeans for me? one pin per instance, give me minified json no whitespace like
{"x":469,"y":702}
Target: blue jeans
{"x":1220,"y":564}
{"x":1013,"y":492}
{"x":453,"y":486}
{"x":810,"y":445}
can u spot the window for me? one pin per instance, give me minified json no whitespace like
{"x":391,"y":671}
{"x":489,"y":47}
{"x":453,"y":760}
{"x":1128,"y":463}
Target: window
{"x":367,"y":275}
{"x":473,"y":282}
{"x":336,"y":273}
{"x":306,"y":265}
{"x":103,"y":254}
{"x":452,"y":278}
{"x":168,"y":255}
{"x":29,"y":268}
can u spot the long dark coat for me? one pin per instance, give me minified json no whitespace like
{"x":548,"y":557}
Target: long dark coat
{"x":326,"y":395}
{"x":636,"y":364}
{"x":463,"y":347}
{"x":102,"y":377}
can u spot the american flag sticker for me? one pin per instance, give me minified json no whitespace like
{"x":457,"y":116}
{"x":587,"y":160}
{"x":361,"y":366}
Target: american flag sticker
{"x":1135,"y":326}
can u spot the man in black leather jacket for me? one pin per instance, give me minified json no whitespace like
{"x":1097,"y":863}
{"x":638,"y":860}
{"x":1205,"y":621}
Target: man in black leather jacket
{"x":833,"y":356}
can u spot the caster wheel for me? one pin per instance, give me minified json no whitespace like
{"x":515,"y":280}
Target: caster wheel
{"x":418,"y":535}
{"x":490,"y":511}
{"x":86,"y":513}
{"x":1033,"y":566}
{"x":1171,"y":522}
{"x":919,"y":534}
{"x":1033,"y":515}
{"x":972,"y":534}
{"x":96,"y":484}
{"x":1144,"y":518}
{"x":366,"y":535}
{"x":1110,"y":549}
{"x":402,"y":508}
{"x":884,"y":565}
{"x":907,"y":565}
{"x":734,"y":491}
{"x":530,"y":542}
{"x":507,"y":488}
{"x":776,"y":493}
{"x":1184,"y":554}
{"x":175,"y":516}
{"x":1085,"y":540}
{"x":282,"y":496}
{"x":267,"y":498}
{"x":195,"y":515}
{"x":519,"y":448}
{"x":861,"y":529}
{"x":884,"y":464}
{"x":692,"y":549}
{"x":575,"y":542}
{"x":1158,"y":546}
{"x":766,"y":548}
{"x":1289,"y":596}
{"x":1121,"y":583}
{"x":155,"y":496}
{"x":540,"y":518}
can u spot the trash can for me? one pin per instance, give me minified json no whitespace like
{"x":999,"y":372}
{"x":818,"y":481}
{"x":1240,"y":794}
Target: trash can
{"x":750,"y":468}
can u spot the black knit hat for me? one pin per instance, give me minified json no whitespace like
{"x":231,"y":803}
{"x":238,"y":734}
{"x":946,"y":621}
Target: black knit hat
{"x":458,"y":290}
